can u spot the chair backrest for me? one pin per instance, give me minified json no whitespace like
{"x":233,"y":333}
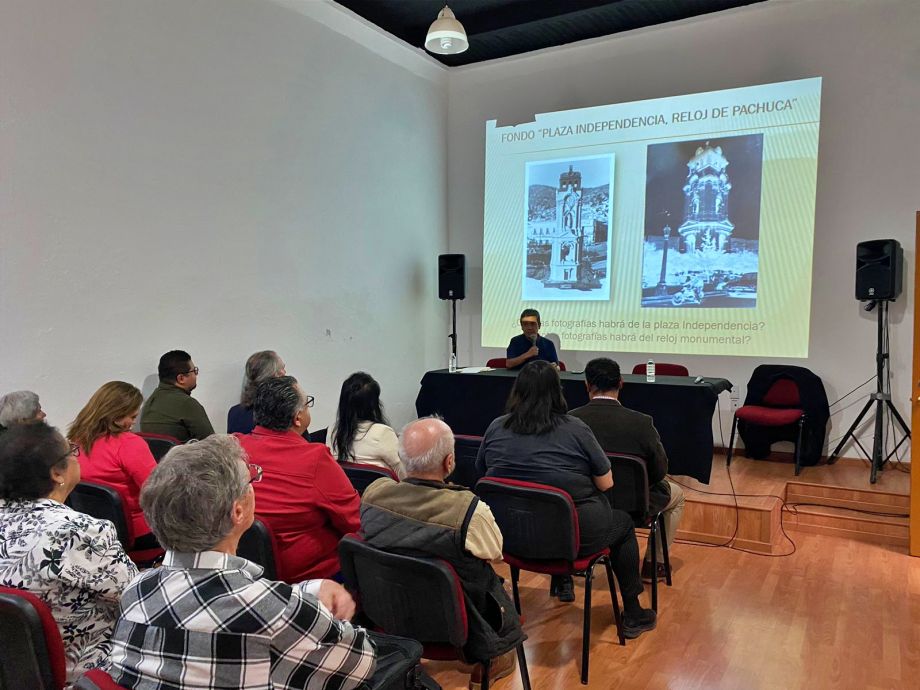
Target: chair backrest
{"x":319,"y":436}
{"x":782,"y":393}
{"x":32,"y":653}
{"x":411,"y":596}
{"x":159,"y":444}
{"x":561,"y":365}
{"x":538,"y":522}
{"x":497,"y":363}
{"x":103,"y":502}
{"x":362,"y":475}
{"x":630,"y":484}
{"x":663,"y":369}
{"x":258,"y":545}
{"x":466,"y":449}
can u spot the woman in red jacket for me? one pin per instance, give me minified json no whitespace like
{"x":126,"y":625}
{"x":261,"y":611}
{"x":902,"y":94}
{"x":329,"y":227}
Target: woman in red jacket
{"x":111,"y":454}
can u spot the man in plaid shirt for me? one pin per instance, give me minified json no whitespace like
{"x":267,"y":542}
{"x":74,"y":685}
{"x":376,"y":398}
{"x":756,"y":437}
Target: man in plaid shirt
{"x":205,"y":619}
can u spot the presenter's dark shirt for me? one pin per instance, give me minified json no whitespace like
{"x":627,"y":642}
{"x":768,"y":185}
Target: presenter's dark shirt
{"x":521,"y":343}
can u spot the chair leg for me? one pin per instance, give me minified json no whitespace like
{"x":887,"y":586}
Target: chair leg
{"x":586,"y":632}
{"x":522,"y":664}
{"x":618,"y":620}
{"x":731,"y":441}
{"x":652,"y":534}
{"x":663,"y":535}
{"x":515,"y":574}
{"x":798,"y":448}
{"x":486,"y":671}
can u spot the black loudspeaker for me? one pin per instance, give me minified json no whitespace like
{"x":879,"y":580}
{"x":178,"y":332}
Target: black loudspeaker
{"x":879,"y":267}
{"x":451,"y":276}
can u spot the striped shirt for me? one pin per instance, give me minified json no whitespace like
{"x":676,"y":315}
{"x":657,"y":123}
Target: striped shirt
{"x":206,"y":621}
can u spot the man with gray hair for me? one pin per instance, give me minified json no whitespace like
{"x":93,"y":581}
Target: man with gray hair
{"x":20,"y":407}
{"x":205,"y":619}
{"x":425,"y":516}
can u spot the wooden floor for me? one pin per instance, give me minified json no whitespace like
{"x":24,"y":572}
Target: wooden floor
{"x":838,"y":613}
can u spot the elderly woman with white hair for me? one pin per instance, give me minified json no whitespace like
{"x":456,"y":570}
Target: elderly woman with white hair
{"x":20,"y":407}
{"x":260,"y":366}
{"x":207,"y":618}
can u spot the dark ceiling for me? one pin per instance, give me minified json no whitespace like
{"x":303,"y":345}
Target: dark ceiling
{"x":500,"y":28}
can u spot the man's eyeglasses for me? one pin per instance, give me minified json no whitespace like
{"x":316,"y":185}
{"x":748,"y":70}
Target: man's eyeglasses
{"x":309,"y":401}
{"x":190,"y":372}
{"x":255,"y":474}
{"x":74,"y":451}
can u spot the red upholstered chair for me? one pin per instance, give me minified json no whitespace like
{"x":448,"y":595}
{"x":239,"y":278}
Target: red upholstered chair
{"x":539,"y":527}
{"x":781,"y":406}
{"x":466,"y":449}
{"x":32,"y":652}
{"x":362,"y":475}
{"x":497,"y":363}
{"x":159,"y":443}
{"x":663,"y":369}
{"x":104,"y":502}
{"x":419,"y":598}
{"x":630,"y":494}
{"x":561,"y":365}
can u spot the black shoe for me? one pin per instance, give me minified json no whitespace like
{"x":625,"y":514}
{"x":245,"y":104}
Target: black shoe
{"x":562,"y":586}
{"x":635,"y":625}
{"x":646,"y":571}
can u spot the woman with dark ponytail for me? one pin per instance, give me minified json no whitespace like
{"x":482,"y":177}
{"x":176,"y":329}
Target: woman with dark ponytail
{"x":361,"y":432}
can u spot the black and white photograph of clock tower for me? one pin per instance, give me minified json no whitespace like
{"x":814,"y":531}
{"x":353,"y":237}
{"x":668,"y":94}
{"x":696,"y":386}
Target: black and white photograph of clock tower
{"x":567,"y":248}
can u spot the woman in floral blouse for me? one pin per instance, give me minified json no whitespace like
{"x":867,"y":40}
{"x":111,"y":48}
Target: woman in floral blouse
{"x":71,"y":561}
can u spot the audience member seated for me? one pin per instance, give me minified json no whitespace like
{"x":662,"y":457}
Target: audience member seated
{"x":111,"y":454}
{"x":424,"y":516}
{"x":538,"y":442}
{"x":305,"y":497}
{"x":206,"y":618}
{"x":361,"y":432}
{"x":621,"y":430}
{"x":20,"y":407}
{"x":171,"y":410}
{"x":260,"y":366}
{"x":73,"y":562}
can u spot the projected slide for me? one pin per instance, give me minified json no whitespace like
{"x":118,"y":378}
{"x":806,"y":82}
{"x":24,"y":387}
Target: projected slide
{"x":677,"y":225}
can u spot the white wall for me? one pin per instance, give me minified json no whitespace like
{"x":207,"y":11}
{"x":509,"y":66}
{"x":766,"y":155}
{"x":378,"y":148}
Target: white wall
{"x":869,"y":163}
{"x":220,"y":176}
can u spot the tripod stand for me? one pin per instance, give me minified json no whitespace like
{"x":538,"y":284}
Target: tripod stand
{"x":881,"y":400}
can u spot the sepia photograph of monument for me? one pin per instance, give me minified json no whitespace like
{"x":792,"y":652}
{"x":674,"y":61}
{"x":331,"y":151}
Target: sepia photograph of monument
{"x":567,"y":241}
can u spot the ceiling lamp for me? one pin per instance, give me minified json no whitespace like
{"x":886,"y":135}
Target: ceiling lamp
{"x":446,"y":35}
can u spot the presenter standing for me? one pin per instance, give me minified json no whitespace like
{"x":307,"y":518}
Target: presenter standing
{"x":530,"y":345}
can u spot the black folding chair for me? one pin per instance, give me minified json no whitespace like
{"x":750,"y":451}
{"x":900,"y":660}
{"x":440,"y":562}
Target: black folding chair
{"x":159,"y":444}
{"x":258,"y":545}
{"x":419,"y":598}
{"x":466,"y":449}
{"x":630,"y":494}
{"x":362,"y":475}
{"x":539,"y":526}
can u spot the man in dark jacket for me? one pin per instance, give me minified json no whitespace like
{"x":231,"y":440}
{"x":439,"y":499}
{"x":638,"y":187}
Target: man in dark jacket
{"x":621,"y":430}
{"x":425,"y":516}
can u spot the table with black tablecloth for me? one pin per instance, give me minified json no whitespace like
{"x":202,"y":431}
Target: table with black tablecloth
{"x":681,"y":409}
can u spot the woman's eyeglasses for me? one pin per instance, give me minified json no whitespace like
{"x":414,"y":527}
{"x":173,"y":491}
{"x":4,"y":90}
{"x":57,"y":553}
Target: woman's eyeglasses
{"x":255,"y":474}
{"x":74,"y":451}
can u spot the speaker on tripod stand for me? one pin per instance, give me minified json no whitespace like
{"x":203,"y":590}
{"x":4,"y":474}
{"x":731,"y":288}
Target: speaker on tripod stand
{"x":879,"y":272}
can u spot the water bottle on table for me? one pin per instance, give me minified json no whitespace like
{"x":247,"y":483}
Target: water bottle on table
{"x":650,"y":371}
{"x":452,"y":364}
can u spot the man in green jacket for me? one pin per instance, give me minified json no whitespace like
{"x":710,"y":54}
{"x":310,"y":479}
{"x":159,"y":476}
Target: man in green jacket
{"x":171,"y":409}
